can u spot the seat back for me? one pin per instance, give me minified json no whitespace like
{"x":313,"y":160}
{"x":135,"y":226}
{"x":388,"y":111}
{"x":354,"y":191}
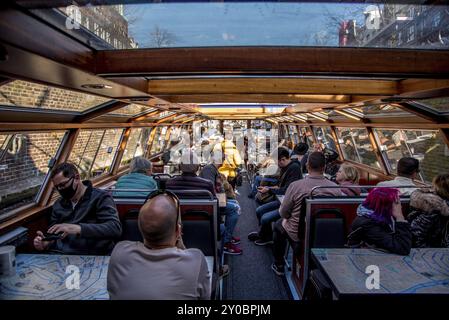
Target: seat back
{"x":197,"y":231}
{"x":328,"y":229}
{"x":199,"y":212}
{"x":161,"y":179}
{"x":323,"y":227}
{"x":130,"y":226}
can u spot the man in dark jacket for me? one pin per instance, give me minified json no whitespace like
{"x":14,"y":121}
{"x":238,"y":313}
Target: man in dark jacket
{"x":85,"y":218}
{"x":269,"y":212}
{"x":189,"y":180}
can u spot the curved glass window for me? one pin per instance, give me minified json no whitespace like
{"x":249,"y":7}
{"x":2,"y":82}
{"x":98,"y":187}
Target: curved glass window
{"x":24,"y":160}
{"x":94,"y":151}
{"x":425,"y":145}
{"x":356,"y":146}
{"x":20,"y":93}
{"x":324,"y":136}
{"x":137,"y":144}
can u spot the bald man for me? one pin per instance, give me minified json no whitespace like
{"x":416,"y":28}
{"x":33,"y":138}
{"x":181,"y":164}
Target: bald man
{"x":156,"y":268}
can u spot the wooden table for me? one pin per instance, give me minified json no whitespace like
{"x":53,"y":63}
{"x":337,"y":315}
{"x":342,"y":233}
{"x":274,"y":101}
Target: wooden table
{"x":424,"y":271}
{"x":43,"y":277}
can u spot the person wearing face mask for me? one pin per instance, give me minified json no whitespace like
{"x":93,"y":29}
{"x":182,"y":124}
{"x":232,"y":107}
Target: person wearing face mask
{"x":85,"y":218}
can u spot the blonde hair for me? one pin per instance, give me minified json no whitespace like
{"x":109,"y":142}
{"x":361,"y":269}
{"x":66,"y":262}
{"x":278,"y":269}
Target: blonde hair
{"x":441,"y":185}
{"x":350,"y":173}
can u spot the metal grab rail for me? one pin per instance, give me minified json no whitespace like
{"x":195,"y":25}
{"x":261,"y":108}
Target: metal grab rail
{"x":363,"y":187}
{"x":178,"y":192}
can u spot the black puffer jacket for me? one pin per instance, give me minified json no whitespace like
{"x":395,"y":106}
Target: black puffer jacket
{"x":429,"y":219}
{"x":367,"y":232}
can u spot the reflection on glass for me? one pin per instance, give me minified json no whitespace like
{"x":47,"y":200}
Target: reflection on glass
{"x":137,"y":144}
{"x":24,"y":162}
{"x":158,"y":142}
{"x":31,"y":95}
{"x":381,"y":110}
{"x":306,"y":136}
{"x":293,"y":133}
{"x":324,"y":136}
{"x":200,"y":24}
{"x":425,"y":145}
{"x":94,"y":151}
{"x":438,"y":104}
{"x":132,"y":110}
{"x":356,"y":146}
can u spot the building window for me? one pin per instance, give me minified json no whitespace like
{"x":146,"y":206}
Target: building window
{"x":436,"y":20}
{"x":86,"y":22}
{"x":411,"y":33}
{"x":400,"y":38}
{"x":96,"y":31}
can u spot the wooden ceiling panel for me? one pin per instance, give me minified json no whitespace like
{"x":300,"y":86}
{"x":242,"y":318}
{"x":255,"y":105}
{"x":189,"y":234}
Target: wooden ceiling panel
{"x":256,"y":98}
{"x":294,"y":86}
{"x":365,"y":62}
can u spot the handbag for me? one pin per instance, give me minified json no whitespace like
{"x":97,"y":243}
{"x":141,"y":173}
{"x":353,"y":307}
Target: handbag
{"x":265,"y":197}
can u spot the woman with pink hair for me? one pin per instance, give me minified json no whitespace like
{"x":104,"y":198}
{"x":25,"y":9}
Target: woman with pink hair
{"x":381,"y":224}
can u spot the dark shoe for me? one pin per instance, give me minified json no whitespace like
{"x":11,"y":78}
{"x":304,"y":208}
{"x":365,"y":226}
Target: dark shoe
{"x":251,"y":196}
{"x":253,"y":236}
{"x":279,"y":270}
{"x":230,"y":248}
{"x":235,"y":240}
{"x":262,"y":242}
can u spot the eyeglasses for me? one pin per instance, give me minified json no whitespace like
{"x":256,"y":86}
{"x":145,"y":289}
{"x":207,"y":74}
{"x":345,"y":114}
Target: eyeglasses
{"x":173,"y":196}
{"x":63,"y":184}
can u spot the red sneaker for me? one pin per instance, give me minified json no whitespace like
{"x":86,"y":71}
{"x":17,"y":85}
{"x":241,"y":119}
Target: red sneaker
{"x":230,"y":248}
{"x":235,"y":240}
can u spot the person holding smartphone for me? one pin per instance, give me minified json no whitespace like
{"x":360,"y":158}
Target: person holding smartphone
{"x":83,"y":221}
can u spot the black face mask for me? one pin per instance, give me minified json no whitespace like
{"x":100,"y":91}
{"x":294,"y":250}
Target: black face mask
{"x":68,"y":193}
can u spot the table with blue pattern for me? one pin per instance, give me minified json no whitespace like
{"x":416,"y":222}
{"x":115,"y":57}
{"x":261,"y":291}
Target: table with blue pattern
{"x":424,"y":271}
{"x":52,"y":277}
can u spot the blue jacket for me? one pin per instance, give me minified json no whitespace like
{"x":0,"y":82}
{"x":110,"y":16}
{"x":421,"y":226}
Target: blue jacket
{"x":134,"y":181}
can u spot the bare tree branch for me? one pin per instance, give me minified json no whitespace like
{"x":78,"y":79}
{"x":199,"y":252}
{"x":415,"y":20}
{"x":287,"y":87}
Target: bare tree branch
{"x":162,"y":37}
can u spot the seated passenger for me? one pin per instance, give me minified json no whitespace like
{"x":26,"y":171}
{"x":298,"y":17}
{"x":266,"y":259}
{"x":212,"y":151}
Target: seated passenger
{"x":332,"y":165}
{"x":300,"y":152}
{"x":232,"y":210}
{"x":232,"y":161}
{"x":381,"y":224}
{"x":86,"y":217}
{"x":269,"y":212}
{"x":188,"y":180}
{"x":210,"y":171}
{"x":156,"y":268}
{"x":429,"y":218}
{"x":139,"y":177}
{"x":408,"y":169}
{"x":229,"y":191}
{"x":348,"y":176}
{"x":268,"y":172}
{"x":290,"y":210}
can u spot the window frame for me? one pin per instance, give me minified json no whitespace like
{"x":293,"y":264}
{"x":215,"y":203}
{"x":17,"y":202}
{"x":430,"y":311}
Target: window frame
{"x":45,"y":182}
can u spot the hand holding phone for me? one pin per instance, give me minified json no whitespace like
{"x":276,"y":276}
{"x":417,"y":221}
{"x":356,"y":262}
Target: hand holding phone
{"x":52,"y":236}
